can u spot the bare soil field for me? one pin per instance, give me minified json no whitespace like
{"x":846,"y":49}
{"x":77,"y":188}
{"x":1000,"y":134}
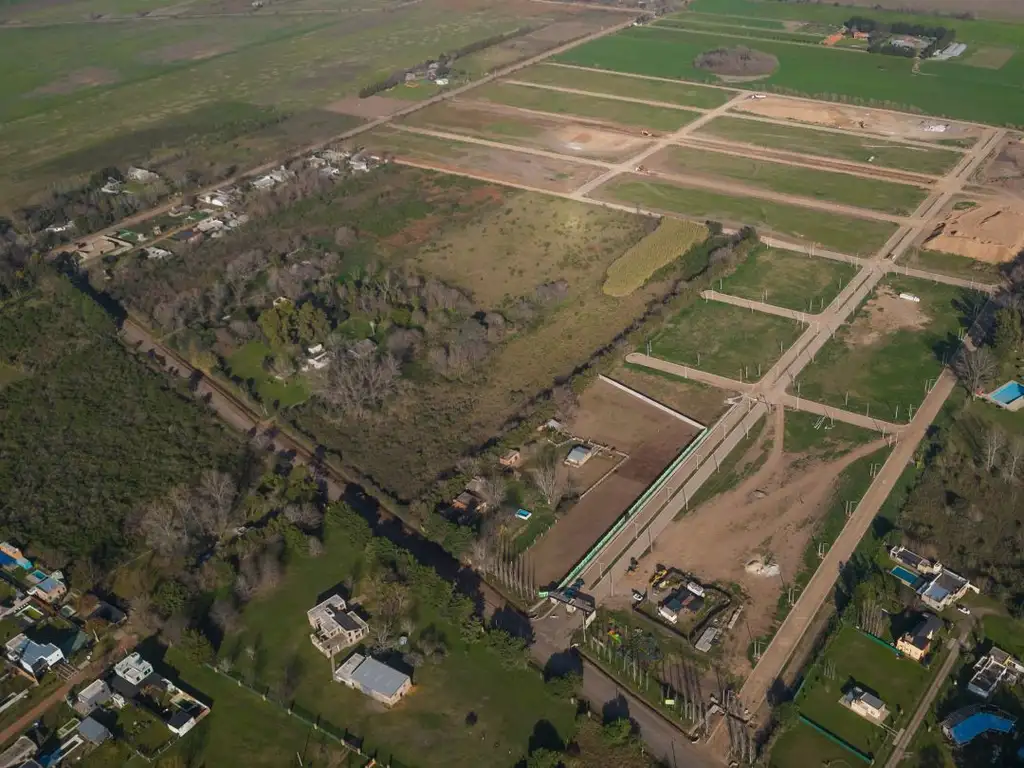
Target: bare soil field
{"x":650,"y":437}
{"x":884,"y":314}
{"x":992,"y":232}
{"x":503,"y":166}
{"x":856,"y":118}
{"x":772,"y":512}
{"x":370,"y":107}
{"x":1006,"y":169}
{"x":497,"y":122}
{"x":698,"y":401}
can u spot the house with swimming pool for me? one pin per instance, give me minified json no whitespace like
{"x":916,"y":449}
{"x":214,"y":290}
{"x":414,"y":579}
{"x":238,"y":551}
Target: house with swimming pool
{"x":936,"y":586}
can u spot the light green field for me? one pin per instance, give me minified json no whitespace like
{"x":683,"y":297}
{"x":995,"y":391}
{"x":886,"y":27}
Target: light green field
{"x":841,"y":233}
{"x":684,"y":94}
{"x":74,"y":101}
{"x":952,"y":264}
{"x":610,"y":110}
{"x":879,"y":365}
{"x":861,"y":149}
{"x":724,"y":339}
{"x":788,"y":279}
{"x":856,"y":191}
{"x":247,"y":363}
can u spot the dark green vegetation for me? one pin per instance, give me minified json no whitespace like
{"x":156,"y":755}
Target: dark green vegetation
{"x":89,"y":435}
{"x":885,"y":360}
{"x":862,"y":149}
{"x":842,"y":233}
{"x":788,"y":279}
{"x":952,"y":89}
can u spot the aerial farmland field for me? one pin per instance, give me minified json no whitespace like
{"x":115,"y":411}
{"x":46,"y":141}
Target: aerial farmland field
{"x":955,"y":90}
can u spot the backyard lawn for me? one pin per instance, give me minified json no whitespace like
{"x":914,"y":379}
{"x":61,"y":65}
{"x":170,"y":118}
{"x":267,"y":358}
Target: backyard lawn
{"x":883,"y":361}
{"x":429,"y":727}
{"x":788,"y":279}
{"x":726,"y":340}
{"x":801,"y":746}
{"x":247,"y":363}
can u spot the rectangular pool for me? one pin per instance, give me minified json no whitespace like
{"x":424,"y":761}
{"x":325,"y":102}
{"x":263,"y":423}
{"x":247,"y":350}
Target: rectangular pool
{"x":1009,"y":392}
{"x":906,"y":576}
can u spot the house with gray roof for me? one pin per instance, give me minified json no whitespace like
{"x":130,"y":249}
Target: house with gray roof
{"x":373,"y":678}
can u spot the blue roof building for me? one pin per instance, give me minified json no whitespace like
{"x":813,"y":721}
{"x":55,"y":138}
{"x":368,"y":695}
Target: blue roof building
{"x":965,"y":725}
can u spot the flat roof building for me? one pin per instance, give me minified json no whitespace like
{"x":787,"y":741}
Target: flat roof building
{"x":374,"y":678}
{"x":335,"y":626}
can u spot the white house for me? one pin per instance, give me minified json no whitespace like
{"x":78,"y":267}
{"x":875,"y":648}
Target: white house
{"x":335,"y":627}
{"x":865,"y":704}
{"x":376,"y":679}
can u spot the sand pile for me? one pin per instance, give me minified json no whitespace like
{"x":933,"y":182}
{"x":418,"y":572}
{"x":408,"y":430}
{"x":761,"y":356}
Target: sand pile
{"x":991,"y":232}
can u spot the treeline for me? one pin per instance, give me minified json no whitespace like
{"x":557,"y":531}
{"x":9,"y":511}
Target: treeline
{"x":879,"y":31}
{"x":88,"y":434}
{"x":443,"y":61}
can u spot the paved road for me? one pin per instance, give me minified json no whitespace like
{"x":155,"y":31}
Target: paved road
{"x":922,"y":709}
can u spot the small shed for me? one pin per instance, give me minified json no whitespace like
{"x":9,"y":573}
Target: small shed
{"x":579,"y":456}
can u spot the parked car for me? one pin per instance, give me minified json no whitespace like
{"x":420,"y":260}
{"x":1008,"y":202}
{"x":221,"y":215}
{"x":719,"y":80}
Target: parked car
{"x":964,"y":610}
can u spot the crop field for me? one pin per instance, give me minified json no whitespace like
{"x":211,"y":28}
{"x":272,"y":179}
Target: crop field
{"x":863,"y":149}
{"x":574,"y":138}
{"x":724,"y":339}
{"x":863,"y":661}
{"x":683,"y":94}
{"x":842,"y":188}
{"x":736,"y":30}
{"x":180,"y":84}
{"x":788,"y":279}
{"x":671,"y":239}
{"x":609,"y":110}
{"x":892,"y":350}
{"x":952,"y":89}
{"x":842,"y":233}
{"x":486,"y":162}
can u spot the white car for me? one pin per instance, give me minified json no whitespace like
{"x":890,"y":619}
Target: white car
{"x":964,"y":610}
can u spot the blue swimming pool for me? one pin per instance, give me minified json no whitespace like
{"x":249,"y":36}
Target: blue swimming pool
{"x":1010,"y":391}
{"x":906,"y":576}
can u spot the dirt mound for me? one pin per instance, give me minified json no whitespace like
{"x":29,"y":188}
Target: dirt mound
{"x":886,"y":313}
{"x":992,"y":232}
{"x":1007,"y":168}
{"x":737,"y":62}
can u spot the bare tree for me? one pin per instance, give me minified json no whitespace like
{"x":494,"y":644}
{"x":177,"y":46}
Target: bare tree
{"x":215,"y":502}
{"x":392,"y":602}
{"x":493,"y":489}
{"x":315,"y":547}
{"x":549,"y":483}
{"x":566,"y":402}
{"x":306,"y":516}
{"x":995,"y":439}
{"x":1013,"y":456}
{"x":357,"y":384}
{"x":975,"y":368}
{"x":163,"y":527}
{"x":224,"y":615}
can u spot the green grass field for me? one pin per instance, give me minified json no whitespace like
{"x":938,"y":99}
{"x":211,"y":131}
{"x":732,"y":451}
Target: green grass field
{"x":860,"y":660}
{"x":429,"y":727}
{"x":844,"y":146}
{"x":724,"y":339}
{"x":884,"y":358}
{"x":1005,"y":632}
{"x":842,"y":188}
{"x":952,"y":264}
{"x":683,"y":94}
{"x":610,"y":110}
{"x":737,"y":30}
{"x":842,"y":233}
{"x":951,"y":89}
{"x":801,"y":747}
{"x":809,"y":432}
{"x":788,"y":279}
{"x":247,"y":363}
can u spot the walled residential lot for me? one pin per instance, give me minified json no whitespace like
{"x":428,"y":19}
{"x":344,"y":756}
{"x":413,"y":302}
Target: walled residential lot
{"x":651,"y":438}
